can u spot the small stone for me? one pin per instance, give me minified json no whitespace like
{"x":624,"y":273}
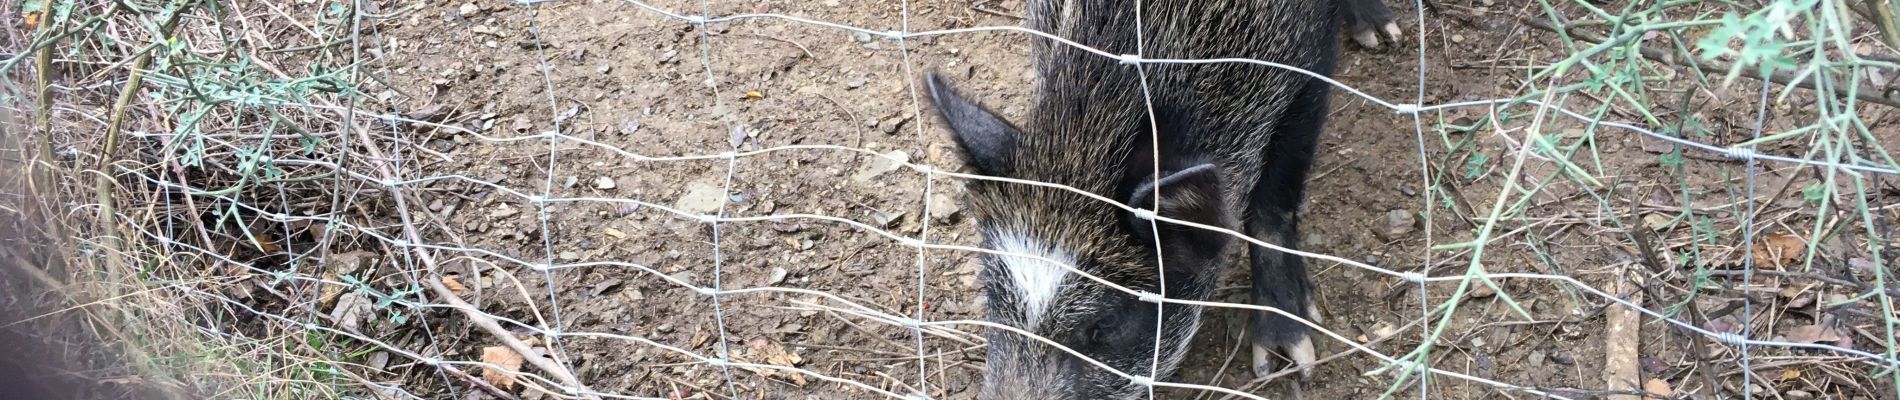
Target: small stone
{"x":885,"y":219}
{"x":569,"y":256}
{"x":603,"y":183}
{"x":503,"y":211}
{"x":855,"y":83}
{"x":778,"y":275}
{"x":569,"y":183}
{"x":892,"y":124}
{"x":1799,"y":394}
{"x":944,"y":207}
{"x":604,"y":68}
{"x":1455,"y":38}
{"x":701,"y":198}
{"x":1398,"y":223}
{"x":862,"y":37}
{"x":469,"y":9}
{"x":878,"y":166}
{"x":379,"y":360}
{"x":629,"y":127}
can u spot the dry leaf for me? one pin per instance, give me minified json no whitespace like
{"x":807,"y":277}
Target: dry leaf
{"x":1790,"y":374}
{"x":327,"y":294}
{"x":1658,"y":387}
{"x":754,"y":95}
{"x":766,"y":352}
{"x":616,"y":233}
{"x":454,"y":285}
{"x":1816,"y":333}
{"x":1778,"y":249}
{"x":350,"y":310}
{"x":503,"y":365}
{"x":32,"y":20}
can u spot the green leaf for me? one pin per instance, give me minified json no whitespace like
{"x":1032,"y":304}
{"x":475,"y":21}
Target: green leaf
{"x":1814,"y":193}
{"x":1474,"y":166}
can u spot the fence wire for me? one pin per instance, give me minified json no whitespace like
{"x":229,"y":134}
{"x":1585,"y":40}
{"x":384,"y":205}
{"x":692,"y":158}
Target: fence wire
{"x":419,"y":260}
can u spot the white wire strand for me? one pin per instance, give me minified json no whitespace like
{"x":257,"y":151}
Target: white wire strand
{"x":921,"y":241}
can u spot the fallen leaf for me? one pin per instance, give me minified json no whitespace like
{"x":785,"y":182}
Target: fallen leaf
{"x":1790,"y":374}
{"x":350,"y":310}
{"x":754,"y":95}
{"x":1816,"y":333}
{"x":616,"y":233}
{"x":1778,"y":249}
{"x":1657,"y":222}
{"x":327,"y":294}
{"x":766,"y":352}
{"x":454,"y":285}
{"x":1658,"y":387}
{"x":503,"y":364}
{"x":32,"y":20}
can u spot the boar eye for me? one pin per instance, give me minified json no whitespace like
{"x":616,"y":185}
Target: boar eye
{"x":1098,"y":332}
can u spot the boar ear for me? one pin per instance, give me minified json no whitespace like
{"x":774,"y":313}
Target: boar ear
{"x":986,"y":138}
{"x":1191,"y":194}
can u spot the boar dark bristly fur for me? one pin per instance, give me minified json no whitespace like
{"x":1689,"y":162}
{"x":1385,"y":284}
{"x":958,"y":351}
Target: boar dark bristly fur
{"x":1235,"y":143}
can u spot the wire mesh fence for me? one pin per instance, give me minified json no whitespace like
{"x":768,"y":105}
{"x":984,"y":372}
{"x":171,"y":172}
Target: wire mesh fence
{"x":332,"y":216}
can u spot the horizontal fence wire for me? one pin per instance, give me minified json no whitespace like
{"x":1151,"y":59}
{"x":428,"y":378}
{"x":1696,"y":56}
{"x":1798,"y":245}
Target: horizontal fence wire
{"x":395,"y":181}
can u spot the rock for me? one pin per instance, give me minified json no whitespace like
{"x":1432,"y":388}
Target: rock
{"x":700,"y":198}
{"x":1398,"y":223}
{"x":878,"y":166}
{"x":778,"y":275}
{"x":892,"y":124}
{"x":885,"y":219}
{"x":603,"y":183}
{"x":469,"y":9}
{"x":503,"y":211}
{"x":862,"y":37}
{"x":855,"y":83}
{"x":569,"y":256}
{"x":944,"y":207}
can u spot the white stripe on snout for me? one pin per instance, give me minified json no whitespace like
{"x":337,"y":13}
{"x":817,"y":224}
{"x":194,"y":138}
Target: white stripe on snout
{"x":1036,"y":281}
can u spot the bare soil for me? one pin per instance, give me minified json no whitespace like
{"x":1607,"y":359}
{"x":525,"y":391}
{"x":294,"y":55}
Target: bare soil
{"x":629,"y":78}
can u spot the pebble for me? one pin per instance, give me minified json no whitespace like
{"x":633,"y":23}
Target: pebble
{"x":862,"y":37}
{"x":1398,"y":223}
{"x":944,"y":206}
{"x":892,"y":124}
{"x":878,"y":166}
{"x":701,"y":198}
{"x":470,"y":9}
{"x":503,"y":211}
{"x":855,"y":83}
{"x":569,"y":256}
{"x":778,"y":275}
{"x":603,"y":183}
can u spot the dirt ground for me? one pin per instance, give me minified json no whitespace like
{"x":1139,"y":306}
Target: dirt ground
{"x":631,"y":79}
